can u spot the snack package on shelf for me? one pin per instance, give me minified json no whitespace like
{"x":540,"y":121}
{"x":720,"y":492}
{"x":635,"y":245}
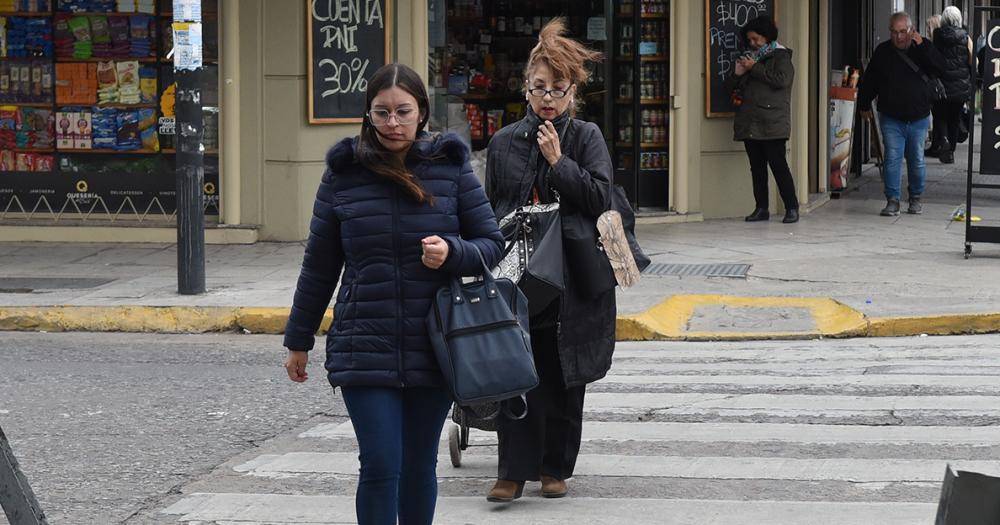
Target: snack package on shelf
{"x":128,"y":82}
{"x":147,"y":84}
{"x":36,"y":130}
{"x":83,"y":138}
{"x":107,"y":83}
{"x":150,"y":140}
{"x":25,"y":37}
{"x":76,"y":84}
{"x":86,"y":6}
{"x":105,"y":128}
{"x":65,"y":129}
{"x":128,"y":131}
{"x":140,"y":41}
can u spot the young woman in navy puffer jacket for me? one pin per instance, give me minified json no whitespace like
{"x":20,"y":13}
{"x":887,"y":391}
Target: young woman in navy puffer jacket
{"x":401,"y":213}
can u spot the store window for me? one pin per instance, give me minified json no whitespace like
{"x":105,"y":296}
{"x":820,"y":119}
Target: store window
{"x":479,"y":50}
{"x":87,"y":106}
{"x":641,"y":109}
{"x":478,"y":53}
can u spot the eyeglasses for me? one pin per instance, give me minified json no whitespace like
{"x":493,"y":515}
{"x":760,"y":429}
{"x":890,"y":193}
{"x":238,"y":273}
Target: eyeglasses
{"x":556,"y":93}
{"x":380,"y":117}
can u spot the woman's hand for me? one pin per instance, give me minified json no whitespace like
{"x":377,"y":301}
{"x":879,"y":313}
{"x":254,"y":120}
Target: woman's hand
{"x":746,"y":62}
{"x":295,"y":365}
{"x":548,"y":143}
{"x":435,"y":251}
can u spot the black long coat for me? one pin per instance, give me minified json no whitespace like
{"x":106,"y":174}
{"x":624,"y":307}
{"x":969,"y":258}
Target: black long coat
{"x":583,"y":178}
{"x":953,"y":44}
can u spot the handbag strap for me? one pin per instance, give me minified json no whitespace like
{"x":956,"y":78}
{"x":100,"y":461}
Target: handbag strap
{"x":913,"y":65}
{"x":488,"y":279}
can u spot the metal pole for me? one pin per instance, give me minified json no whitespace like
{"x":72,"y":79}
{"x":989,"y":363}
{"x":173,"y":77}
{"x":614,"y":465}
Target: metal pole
{"x":190,"y":155}
{"x":16,"y":497}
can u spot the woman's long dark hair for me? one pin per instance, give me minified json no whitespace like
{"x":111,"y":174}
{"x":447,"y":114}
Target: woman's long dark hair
{"x":371,"y":153}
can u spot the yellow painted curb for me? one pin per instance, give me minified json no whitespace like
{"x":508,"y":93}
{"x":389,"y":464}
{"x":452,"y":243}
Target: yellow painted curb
{"x":953,"y":324}
{"x":668,"y":320}
{"x":158,"y":319}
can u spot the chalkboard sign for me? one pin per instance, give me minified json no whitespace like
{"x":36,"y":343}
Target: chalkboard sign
{"x":723,"y":20}
{"x":348,"y":41}
{"x":989,"y":160}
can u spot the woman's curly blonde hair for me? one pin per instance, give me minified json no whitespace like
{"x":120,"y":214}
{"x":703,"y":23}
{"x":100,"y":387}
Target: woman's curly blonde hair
{"x":564,"y":56}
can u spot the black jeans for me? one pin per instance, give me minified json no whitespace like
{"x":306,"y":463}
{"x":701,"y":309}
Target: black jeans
{"x":547,"y":440}
{"x":946,"y":121}
{"x":770,"y":152}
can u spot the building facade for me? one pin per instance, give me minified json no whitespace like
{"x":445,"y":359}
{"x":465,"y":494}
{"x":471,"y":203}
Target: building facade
{"x":672,"y":152}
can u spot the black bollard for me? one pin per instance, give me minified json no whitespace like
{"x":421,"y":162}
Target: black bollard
{"x":16,"y":497}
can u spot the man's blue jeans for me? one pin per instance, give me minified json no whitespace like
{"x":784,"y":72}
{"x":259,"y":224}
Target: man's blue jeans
{"x":398,"y":431}
{"x":901,"y":139}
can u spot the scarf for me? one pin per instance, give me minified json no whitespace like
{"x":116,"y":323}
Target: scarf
{"x":764,"y":51}
{"x":537,"y":165}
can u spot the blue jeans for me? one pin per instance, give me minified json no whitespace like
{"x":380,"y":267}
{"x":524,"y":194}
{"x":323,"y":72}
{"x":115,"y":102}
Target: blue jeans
{"x":901,"y":139}
{"x":398,"y":431}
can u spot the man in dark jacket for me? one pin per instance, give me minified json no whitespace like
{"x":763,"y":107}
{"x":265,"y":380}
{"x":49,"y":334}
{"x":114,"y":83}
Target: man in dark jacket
{"x":904,"y":105}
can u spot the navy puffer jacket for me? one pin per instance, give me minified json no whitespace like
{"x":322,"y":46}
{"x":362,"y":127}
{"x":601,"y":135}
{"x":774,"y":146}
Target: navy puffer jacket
{"x":371,"y":229}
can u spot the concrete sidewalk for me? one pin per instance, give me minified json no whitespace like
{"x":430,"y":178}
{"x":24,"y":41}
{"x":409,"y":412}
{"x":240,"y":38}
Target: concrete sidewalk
{"x":841,"y":271}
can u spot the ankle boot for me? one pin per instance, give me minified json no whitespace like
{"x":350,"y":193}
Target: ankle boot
{"x":760,"y":214}
{"x":553,"y":488}
{"x":505,"y":491}
{"x":791,"y":215}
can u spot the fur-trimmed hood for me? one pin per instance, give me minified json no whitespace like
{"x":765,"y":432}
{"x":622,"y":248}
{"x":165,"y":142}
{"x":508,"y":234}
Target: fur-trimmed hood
{"x":428,"y":145}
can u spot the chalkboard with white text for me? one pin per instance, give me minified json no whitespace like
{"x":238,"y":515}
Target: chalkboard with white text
{"x":723,"y":21}
{"x":348,"y":41}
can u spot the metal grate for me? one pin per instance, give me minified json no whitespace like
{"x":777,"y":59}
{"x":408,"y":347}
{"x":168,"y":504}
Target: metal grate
{"x":699,"y":270}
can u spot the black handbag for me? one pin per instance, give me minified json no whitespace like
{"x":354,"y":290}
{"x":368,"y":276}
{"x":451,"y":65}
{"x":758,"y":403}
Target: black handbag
{"x":587,"y":263}
{"x":534,"y":252}
{"x":480,"y":335}
{"x":933,"y":85}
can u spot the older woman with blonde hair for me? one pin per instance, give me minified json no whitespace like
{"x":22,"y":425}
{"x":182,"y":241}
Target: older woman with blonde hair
{"x":549,"y":157}
{"x":933,"y":22}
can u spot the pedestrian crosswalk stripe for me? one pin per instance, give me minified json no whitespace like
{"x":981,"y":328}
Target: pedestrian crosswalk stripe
{"x":981,"y":367}
{"x":733,"y":468}
{"x":987,"y":384}
{"x":687,"y":403}
{"x":280,"y":508}
{"x":742,"y":433}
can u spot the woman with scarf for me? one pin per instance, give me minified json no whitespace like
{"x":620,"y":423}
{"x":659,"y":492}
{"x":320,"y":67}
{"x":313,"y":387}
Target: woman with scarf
{"x":548,"y":157}
{"x":762,"y":92}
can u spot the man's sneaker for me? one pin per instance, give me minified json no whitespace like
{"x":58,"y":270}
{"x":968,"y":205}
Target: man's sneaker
{"x":891,"y":208}
{"x":915,"y":207}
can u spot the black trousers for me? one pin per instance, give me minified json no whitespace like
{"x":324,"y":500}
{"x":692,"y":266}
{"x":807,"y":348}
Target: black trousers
{"x":547,"y":440}
{"x":770,"y":152}
{"x":946,"y":118}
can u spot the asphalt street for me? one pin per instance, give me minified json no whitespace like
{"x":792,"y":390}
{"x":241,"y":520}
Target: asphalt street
{"x":125,"y":428}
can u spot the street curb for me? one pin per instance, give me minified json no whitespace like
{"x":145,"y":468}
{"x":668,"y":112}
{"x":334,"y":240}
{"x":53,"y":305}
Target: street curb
{"x":666,"y":321}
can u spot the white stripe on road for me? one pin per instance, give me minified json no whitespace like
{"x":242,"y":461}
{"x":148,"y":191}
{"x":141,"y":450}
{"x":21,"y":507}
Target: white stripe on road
{"x":988,"y":384}
{"x":276,"y":508}
{"x":819,"y":366}
{"x":597,"y":465}
{"x":774,"y":403}
{"x":741,"y":433}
